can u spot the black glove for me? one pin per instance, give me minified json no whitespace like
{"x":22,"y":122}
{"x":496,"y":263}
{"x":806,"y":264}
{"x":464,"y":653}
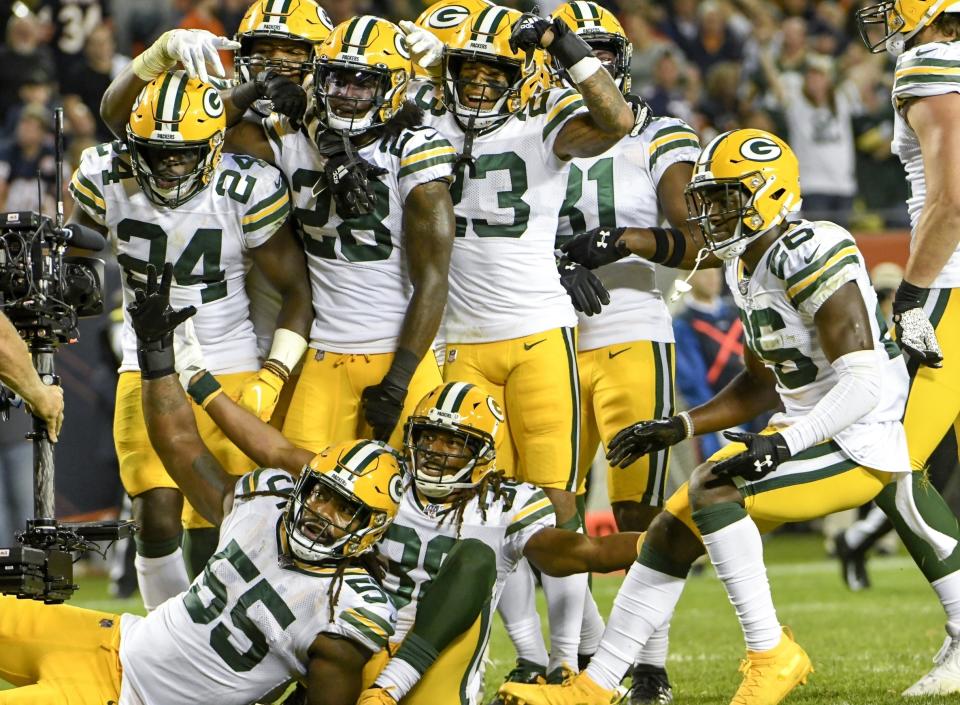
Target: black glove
{"x":287,"y":96}
{"x":348,"y":179}
{"x":596,"y":247}
{"x":154,"y":322}
{"x":381,"y":405}
{"x":914,"y":332}
{"x":584,"y":288}
{"x":762,"y":456}
{"x":642,"y":113}
{"x":644,"y":437}
{"x":528,"y":31}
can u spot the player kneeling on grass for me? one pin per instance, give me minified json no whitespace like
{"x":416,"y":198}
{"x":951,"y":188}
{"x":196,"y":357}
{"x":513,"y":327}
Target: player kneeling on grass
{"x":461,"y":530}
{"x":286,"y":597}
{"x":812,"y":345}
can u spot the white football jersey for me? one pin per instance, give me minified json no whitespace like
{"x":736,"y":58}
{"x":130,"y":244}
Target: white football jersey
{"x":778,"y":302}
{"x":503,"y":276}
{"x":423,"y":534}
{"x":619,"y":188}
{"x":927,"y":70}
{"x":358,"y":271}
{"x":244,"y":626}
{"x":207,"y":239}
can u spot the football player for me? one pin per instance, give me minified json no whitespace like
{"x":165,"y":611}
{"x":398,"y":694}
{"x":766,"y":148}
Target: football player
{"x":509,"y":324}
{"x":370,"y":189}
{"x":458,"y":497}
{"x":168,"y":193}
{"x":924,"y":37}
{"x":625,"y":352}
{"x":814,"y":345}
{"x":286,"y":597}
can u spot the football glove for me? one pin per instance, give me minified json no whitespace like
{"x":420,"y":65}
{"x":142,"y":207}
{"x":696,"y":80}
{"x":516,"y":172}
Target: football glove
{"x":527,"y":32}
{"x":642,"y":114}
{"x":288,"y":98}
{"x":375,"y":695}
{"x":914,"y":332}
{"x":584,"y":288}
{"x":633,"y":442}
{"x":761,"y":457}
{"x":348,"y":179}
{"x":154,"y":321}
{"x":596,"y":247}
{"x":261,"y":392}
{"x":381,"y":405}
{"x":195,"y":48}
{"x":424,"y":45}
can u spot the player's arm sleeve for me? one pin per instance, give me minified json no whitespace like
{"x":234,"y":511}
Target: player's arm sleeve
{"x":364,"y":613}
{"x":86,"y":185}
{"x":270,"y":206}
{"x":815,"y":267}
{"x":667,"y":142}
{"x":557,"y":108}
{"x":532,"y":512}
{"x":425,"y":156}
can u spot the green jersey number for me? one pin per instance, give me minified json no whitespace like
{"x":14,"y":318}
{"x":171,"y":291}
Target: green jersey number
{"x":511,"y":199}
{"x":206,"y":244}
{"x":239,"y":621}
{"x":601,"y":173}
{"x":792,"y":368}
{"x":437,"y":547}
{"x":310,"y":221}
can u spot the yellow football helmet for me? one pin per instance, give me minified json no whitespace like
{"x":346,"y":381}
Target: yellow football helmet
{"x":900,"y":19}
{"x":485,"y":38}
{"x":599,"y":28}
{"x":176,"y":122}
{"x":363,"y":69}
{"x":302,"y":22}
{"x":744,"y":183}
{"x":471,"y":420}
{"x":359,"y":485}
{"x":444,"y":18}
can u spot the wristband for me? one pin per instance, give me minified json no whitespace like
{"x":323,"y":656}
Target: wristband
{"x":569,"y":48}
{"x":908,"y":296}
{"x":401,"y":370}
{"x":205,"y":390}
{"x":244,"y":95}
{"x":679,"y":248}
{"x":687,"y":423}
{"x":157,"y":362}
{"x":662,"y":245}
{"x":584,"y":69}
{"x":287,"y":349}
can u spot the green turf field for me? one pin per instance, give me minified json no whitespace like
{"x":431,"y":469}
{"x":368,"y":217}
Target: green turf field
{"x":866,"y":647}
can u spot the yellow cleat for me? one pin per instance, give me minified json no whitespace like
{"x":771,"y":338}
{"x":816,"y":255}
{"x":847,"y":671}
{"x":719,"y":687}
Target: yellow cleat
{"x":376,"y":696}
{"x":578,"y":690}
{"x":769,"y":676}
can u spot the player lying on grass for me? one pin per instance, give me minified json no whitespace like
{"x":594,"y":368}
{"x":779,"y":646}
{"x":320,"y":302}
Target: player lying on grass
{"x":461,"y":530}
{"x":286,"y":597}
{"x":811,"y":345}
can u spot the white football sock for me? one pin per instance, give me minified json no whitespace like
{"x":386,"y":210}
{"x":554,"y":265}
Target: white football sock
{"x":565,"y":598}
{"x":736,"y":552}
{"x":948,"y":590}
{"x":645,"y":601}
{"x":858,"y":531}
{"x":397,"y":678}
{"x":518,"y":609}
{"x":655,"y":650}
{"x":591,"y":629}
{"x":161,"y":578}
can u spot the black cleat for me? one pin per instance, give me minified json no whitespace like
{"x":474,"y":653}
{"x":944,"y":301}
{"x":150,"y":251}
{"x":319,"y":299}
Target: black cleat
{"x":650,"y":686}
{"x":524,"y":672}
{"x":853,"y":564}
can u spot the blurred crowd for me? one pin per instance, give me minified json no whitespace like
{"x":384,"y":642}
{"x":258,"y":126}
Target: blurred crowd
{"x":795,"y":67}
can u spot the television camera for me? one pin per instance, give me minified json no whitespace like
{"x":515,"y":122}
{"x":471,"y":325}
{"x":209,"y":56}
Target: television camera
{"x":44,"y":292}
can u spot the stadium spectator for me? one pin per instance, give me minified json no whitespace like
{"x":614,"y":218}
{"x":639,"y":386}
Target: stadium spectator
{"x":136,"y":23}
{"x":819,"y":114}
{"x":68,"y":24}
{"x":88,"y":78}
{"x":720,"y":106}
{"x":21,"y":56}
{"x":38,"y":87}
{"x":673,"y":86}
{"x":20,"y":161}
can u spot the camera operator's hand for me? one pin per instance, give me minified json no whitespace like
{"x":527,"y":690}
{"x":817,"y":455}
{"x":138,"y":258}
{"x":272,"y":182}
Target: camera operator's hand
{"x":154,"y":322}
{"x":47,"y":404}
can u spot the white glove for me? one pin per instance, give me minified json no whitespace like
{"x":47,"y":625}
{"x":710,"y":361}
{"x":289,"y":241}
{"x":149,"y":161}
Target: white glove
{"x":424,"y":46}
{"x":188,"y":355}
{"x":917,"y":337}
{"x":195,"y":48}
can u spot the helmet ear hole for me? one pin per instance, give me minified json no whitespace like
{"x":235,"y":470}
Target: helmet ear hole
{"x":778,"y":194}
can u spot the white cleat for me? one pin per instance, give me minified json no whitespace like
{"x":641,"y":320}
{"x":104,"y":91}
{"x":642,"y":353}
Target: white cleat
{"x":944,"y":677}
